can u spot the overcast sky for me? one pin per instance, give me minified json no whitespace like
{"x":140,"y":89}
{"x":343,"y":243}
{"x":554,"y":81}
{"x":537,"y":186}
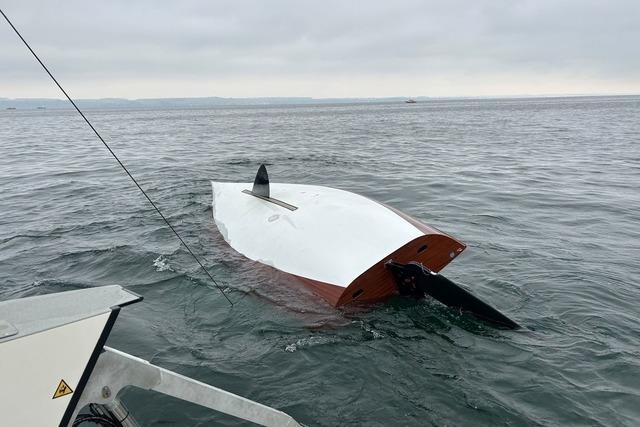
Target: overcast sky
{"x":324,"y":48}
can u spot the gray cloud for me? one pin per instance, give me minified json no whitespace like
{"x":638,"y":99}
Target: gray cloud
{"x":323,"y":48}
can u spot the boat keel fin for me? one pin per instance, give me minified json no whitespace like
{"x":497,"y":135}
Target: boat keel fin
{"x":261,"y":189}
{"x":416,"y":280}
{"x":261,"y":183}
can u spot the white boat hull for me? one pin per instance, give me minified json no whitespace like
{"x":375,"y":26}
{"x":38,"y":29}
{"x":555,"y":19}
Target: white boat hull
{"x":332,"y":240}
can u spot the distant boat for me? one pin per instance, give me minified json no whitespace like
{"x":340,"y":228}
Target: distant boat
{"x":41,"y":108}
{"x":411,"y":101}
{"x":11,"y":108}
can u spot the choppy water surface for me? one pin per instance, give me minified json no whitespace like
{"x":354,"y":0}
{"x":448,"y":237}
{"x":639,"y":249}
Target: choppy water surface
{"x":545,"y":192}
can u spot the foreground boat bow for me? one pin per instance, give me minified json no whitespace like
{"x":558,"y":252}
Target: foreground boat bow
{"x":54,"y":363}
{"x":336,"y":242}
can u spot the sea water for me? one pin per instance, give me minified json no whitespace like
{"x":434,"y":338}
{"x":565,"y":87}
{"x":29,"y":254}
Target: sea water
{"x":544,"y":192}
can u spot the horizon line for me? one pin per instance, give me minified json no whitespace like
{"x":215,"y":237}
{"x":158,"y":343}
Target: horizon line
{"x":283,"y":97}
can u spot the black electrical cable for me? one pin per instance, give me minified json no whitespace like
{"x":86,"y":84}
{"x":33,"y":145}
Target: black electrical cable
{"x":117,"y":159}
{"x":100,"y":415}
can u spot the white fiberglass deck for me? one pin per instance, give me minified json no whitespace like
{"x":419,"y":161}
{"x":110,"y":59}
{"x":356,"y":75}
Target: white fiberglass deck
{"x":333,"y":236}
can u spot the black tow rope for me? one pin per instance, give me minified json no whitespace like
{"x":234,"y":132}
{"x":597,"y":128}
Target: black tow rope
{"x":117,"y":159}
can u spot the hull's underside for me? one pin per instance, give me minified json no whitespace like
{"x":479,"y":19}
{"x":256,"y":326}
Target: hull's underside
{"x":334,"y":242}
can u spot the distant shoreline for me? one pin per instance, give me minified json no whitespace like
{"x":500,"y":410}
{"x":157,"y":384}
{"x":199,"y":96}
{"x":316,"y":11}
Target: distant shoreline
{"x":213,"y":102}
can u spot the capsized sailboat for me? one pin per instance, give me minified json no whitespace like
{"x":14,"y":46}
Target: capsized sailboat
{"x":346,"y":247}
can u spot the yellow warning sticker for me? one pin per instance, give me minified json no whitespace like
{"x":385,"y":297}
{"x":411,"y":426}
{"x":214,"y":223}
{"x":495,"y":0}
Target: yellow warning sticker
{"x":62,"y":390}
